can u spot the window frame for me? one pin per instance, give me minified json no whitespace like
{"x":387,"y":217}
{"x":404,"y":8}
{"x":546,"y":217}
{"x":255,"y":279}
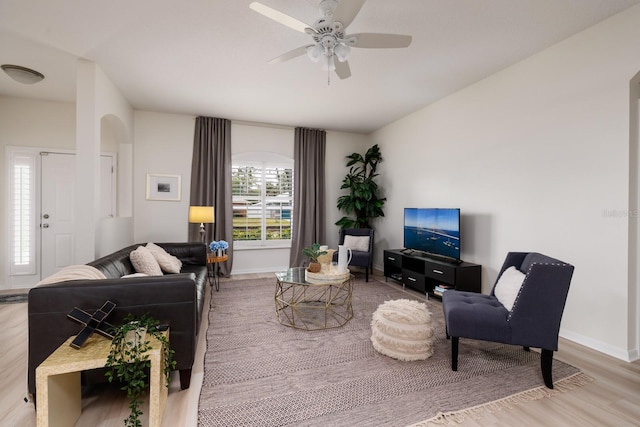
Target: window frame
{"x":263,"y":161}
{"x":14,"y":158}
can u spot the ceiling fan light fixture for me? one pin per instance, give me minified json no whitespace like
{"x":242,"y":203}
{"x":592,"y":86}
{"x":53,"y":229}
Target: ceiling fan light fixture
{"x":327,"y":63}
{"x":331,"y":42}
{"x":342,"y":52}
{"x":22,"y":74}
{"x":315,"y":52}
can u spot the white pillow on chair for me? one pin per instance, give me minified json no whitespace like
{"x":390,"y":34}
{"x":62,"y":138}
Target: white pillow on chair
{"x":508,"y":287}
{"x":357,"y":243}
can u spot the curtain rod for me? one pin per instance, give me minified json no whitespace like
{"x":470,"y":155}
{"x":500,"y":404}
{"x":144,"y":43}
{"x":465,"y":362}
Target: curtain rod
{"x":265,"y":125}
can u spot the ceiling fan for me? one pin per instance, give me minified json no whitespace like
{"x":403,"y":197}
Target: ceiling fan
{"x":330,"y":42}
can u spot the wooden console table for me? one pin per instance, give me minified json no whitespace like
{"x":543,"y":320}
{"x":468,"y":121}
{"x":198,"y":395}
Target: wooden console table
{"x":58,"y":396}
{"x":423,"y":274}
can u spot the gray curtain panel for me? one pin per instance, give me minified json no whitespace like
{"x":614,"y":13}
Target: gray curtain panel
{"x":308,"y":192}
{"x":211,"y":182}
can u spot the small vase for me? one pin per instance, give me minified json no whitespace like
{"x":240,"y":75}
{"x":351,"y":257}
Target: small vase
{"x":314,"y":267}
{"x":135,"y":337}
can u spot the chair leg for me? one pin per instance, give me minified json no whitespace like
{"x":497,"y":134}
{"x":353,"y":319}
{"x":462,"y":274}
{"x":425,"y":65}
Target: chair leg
{"x":454,"y":353}
{"x":366,"y":274}
{"x":546,"y":363}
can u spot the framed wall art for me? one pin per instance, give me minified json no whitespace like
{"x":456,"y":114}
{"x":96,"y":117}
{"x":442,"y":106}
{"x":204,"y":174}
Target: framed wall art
{"x":163,"y":187}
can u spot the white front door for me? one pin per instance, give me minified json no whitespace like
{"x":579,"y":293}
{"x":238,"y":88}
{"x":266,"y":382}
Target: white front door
{"x":57,"y":218}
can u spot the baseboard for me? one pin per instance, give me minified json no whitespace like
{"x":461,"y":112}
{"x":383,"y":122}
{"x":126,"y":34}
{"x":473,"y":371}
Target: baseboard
{"x":602,"y":347}
{"x":237,"y":272}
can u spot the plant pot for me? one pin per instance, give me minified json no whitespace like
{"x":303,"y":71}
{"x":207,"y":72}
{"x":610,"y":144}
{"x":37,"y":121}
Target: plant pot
{"x":136,"y":337}
{"x":314,"y":267}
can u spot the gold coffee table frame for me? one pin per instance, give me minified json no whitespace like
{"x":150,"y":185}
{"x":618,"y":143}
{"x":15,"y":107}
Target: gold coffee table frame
{"x":310,"y":306}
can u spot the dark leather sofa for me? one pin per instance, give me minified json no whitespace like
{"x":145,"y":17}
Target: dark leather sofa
{"x":173,"y":299}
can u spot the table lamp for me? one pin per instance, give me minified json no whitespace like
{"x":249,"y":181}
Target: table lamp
{"x":203,"y":215}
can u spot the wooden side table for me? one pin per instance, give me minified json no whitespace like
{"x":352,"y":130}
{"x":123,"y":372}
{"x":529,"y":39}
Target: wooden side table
{"x":213,"y":267}
{"x":58,"y":396}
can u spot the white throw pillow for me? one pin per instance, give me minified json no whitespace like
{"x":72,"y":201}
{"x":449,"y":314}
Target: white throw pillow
{"x":357,"y":243}
{"x":144,"y":262}
{"x":168,"y":263}
{"x":508,"y":286}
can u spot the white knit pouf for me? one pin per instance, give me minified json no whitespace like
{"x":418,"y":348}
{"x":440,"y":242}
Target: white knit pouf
{"x":402,"y":329}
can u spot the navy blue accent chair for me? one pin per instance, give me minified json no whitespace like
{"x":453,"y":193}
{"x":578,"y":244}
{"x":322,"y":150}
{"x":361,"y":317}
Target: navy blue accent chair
{"x":359,"y":258}
{"x":534,"y":320}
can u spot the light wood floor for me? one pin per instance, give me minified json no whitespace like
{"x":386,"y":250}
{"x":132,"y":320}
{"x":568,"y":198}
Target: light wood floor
{"x":612,"y":399}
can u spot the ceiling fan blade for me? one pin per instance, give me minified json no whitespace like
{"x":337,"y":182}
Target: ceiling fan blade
{"x":378,"y":40}
{"x":346,"y":11}
{"x":299,"y":51}
{"x":278,"y":16}
{"x":342,"y":69}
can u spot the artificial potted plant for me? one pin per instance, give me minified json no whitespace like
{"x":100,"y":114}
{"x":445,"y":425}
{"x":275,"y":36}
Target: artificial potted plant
{"x":363,"y":200}
{"x":129,"y":364}
{"x":313,"y":253}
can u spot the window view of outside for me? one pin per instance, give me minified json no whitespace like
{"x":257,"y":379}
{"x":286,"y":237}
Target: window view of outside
{"x":262,"y":203}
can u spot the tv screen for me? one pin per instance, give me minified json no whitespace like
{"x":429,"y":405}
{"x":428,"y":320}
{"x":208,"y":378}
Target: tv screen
{"x":435,"y":231}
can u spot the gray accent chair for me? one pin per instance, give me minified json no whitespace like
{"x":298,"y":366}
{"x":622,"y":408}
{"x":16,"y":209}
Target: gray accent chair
{"x":359,"y":258}
{"x":534,"y":320}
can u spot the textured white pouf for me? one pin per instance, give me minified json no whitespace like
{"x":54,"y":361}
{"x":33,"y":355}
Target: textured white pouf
{"x":402,"y":329}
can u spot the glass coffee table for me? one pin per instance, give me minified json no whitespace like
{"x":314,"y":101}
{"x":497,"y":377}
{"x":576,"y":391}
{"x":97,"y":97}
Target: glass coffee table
{"x":312,"y":306}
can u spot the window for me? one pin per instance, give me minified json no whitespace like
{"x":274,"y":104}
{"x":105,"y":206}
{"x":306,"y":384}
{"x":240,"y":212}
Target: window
{"x":22,"y":207}
{"x":262,"y":203}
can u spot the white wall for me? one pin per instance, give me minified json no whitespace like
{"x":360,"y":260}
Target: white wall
{"x":339,"y":146}
{"x":164,"y":144}
{"x":99,"y":103}
{"x":29,"y":123}
{"x":537,"y":158}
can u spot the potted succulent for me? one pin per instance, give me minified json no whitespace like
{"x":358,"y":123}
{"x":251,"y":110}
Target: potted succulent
{"x":313,"y":253}
{"x":128,"y":364}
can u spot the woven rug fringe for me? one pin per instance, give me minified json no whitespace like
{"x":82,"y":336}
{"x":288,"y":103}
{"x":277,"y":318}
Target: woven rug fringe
{"x":579,"y":379}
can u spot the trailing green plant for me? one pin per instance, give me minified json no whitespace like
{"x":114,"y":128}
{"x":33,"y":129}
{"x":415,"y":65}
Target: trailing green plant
{"x":362,"y":203}
{"x":129,"y":364}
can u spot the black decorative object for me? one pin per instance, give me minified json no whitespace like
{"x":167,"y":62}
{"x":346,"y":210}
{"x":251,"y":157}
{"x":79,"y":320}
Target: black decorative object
{"x":92,"y":323}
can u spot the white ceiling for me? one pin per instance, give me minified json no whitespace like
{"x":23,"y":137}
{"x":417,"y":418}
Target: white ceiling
{"x":209,"y":57}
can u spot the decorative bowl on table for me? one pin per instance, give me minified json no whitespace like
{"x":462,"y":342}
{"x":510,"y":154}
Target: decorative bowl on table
{"x":328,"y":274}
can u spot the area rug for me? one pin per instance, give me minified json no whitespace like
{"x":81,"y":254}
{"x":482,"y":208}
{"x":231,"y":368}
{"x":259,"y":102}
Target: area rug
{"x":13,"y":298}
{"x":261,"y":373}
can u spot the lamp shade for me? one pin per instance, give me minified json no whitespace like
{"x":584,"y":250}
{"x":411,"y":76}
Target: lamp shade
{"x":201,"y":214}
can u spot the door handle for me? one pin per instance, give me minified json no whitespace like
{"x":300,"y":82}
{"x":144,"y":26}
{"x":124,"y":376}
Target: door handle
{"x":45,"y":216}
{"x":45,"y":225}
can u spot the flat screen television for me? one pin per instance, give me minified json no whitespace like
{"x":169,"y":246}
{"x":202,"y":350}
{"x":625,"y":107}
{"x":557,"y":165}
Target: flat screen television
{"x":434,"y":231}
